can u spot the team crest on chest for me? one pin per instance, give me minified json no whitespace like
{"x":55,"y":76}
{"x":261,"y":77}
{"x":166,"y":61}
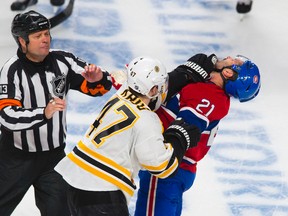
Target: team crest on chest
{"x":59,"y":84}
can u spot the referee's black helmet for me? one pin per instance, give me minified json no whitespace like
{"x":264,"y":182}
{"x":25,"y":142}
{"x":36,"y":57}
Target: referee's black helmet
{"x":24,"y":24}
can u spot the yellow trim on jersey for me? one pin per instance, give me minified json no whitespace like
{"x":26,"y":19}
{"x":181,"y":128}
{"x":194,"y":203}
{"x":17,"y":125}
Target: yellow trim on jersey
{"x":162,"y":166}
{"x":169,"y":171}
{"x":104,"y":159}
{"x":156,"y":168}
{"x":98,"y":172}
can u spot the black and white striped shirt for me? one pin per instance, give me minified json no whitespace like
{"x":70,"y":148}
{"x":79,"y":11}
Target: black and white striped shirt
{"x":25,"y":88}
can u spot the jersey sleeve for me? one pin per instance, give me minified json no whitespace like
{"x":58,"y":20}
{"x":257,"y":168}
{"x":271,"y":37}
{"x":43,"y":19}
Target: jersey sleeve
{"x":13,"y":115}
{"x":153,"y":154}
{"x":76,"y":81}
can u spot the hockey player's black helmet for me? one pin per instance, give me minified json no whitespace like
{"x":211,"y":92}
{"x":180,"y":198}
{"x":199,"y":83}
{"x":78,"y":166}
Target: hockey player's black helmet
{"x":27,"y":23}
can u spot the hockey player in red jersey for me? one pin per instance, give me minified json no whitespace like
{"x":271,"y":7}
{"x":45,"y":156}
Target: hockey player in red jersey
{"x":201,"y":104}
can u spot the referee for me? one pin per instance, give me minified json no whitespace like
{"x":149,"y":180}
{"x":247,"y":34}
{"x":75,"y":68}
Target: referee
{"x":33,"y":86}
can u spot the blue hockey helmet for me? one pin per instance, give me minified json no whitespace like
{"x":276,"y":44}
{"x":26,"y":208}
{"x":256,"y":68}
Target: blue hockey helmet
{"x":247,"y":83}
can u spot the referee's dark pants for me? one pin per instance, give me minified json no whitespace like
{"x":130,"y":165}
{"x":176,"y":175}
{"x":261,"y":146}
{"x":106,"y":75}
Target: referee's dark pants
{"x":19,"y":170}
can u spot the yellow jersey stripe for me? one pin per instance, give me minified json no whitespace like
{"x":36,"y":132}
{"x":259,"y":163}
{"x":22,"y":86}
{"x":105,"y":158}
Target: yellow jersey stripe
{"x":104,"y":159}
{"x":99,"y":173}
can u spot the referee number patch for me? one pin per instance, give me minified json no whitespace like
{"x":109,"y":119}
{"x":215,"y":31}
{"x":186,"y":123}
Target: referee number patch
{"x":3,"y":88}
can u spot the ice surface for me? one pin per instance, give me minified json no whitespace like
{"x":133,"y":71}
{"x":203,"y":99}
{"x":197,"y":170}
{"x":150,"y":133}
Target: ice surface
{"x":245,"y":173}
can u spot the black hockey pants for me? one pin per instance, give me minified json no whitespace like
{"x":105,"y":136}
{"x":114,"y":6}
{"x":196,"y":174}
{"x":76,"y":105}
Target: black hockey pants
{"x":19,"y":170}
{"x":97,"y":203}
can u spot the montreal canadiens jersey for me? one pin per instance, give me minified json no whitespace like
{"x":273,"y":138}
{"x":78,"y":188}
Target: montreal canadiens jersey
{"x":200,"y":104}
{"x":125,"y":137}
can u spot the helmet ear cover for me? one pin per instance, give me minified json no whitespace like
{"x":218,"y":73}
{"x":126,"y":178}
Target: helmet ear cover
{"x":225,"y":80}
{"x":235,"y":73}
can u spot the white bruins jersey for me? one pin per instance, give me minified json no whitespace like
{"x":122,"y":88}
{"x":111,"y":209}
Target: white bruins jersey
{"x":126,"y":136}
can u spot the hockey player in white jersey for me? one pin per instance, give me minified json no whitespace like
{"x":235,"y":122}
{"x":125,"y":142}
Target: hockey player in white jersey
{"x":125,"y":137}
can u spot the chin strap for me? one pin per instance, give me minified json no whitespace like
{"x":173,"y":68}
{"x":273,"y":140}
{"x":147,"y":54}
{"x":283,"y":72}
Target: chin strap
{"x":222,"y":76}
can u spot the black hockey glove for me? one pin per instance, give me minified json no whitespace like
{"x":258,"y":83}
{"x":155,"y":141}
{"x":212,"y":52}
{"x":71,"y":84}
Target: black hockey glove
{"x":186,"y":136}
{"x":181,"y":136}
{"x":198,"y":67}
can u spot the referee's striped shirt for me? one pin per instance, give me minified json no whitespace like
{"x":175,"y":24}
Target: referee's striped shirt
{"x":25,"y":90}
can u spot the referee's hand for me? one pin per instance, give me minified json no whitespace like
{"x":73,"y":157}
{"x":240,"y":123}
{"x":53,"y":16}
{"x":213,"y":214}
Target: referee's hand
{"x":55,"y":104}
{"x":92,"y":73}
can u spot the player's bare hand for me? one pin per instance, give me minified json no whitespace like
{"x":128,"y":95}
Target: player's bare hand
{"x":55,"y":104}
{"x":92,"y":73}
